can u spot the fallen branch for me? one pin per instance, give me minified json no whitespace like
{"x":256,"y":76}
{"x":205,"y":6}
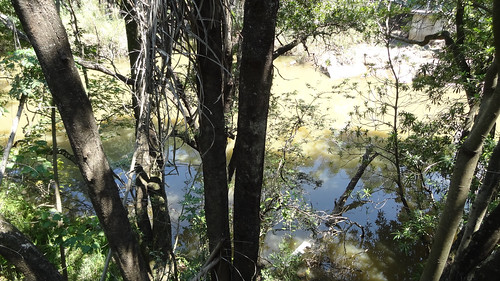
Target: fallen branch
{"x":366,"y":160}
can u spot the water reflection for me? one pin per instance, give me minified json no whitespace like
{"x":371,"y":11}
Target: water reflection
{"x":347,"y":255}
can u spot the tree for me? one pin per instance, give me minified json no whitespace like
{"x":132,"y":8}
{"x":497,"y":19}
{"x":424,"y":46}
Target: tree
{"x":48,"y":36}
{"x":212,"y":138}
{"x":17,"y":249}
{"x":255,"y":84}
{"x":466,"y":162}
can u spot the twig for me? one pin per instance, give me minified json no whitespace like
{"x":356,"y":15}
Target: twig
{"x":211,"y":262}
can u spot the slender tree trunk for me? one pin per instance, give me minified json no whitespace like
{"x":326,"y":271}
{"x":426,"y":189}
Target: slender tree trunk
{"x":48,"y":36}
{"x":10,"y":141}
{"x":463,"y":173}
{"x":57,"y":191}
{"x":483,"y":198}
{"x":19,"y":251}
{"x":144,"y":23}
{"x":256,"y":73}
{"x":212,"y":137}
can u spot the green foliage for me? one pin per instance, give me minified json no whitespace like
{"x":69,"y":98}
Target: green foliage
{"x":474,"y":48}
{"x":28,"y":76}
{"x":193,"y":251}
{"x":318,"y":18}
{"x":107,"y":96}
{"x":420,"y":226}
{"x":82,"y":236}
{"x":29,"y":160}
{"x":193,"y":210}
{"x":285,"y":264}
{"x":101,"y":30}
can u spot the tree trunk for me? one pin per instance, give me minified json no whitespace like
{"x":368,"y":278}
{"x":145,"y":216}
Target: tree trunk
{"x":463,"y":173}
{"x":480,"y":247}
{"x":212,"y":137}
{"x":12,"y":135}
{"x":483,"y":198}
{"x":142,"y":21}
{"x":48,"y":36}
{"x":19,"y":251}
{"x":367,"y":158}
{"x":489,"y":270}
{"x":255,"y":84}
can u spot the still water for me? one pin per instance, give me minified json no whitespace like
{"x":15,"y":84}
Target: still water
{"x":374,"y":257}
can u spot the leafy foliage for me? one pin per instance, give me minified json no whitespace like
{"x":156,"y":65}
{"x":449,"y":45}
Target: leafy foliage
{"x":28,"y":76}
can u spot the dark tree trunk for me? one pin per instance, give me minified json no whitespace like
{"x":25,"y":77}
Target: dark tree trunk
{"x":480,"y":247}
{"x":19,"y":251}
{"x":48,"y":36}
{"x":367,"y":158}
{"x":489,"y":270}
{"x":255,"y":84}
{"x":212,"y":137}
{"x":133,"y":45}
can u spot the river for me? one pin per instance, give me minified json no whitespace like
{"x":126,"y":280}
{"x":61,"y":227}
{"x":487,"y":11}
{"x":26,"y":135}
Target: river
{"x":345,"y":256}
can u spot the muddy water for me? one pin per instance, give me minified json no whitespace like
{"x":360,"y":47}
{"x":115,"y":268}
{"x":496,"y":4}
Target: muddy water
{"x":374,"y":258}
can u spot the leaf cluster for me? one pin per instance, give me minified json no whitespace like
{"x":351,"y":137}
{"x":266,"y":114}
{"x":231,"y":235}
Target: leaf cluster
{"x":28,"y":77}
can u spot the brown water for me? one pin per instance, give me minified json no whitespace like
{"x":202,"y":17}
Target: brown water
{"x":377,"y":257}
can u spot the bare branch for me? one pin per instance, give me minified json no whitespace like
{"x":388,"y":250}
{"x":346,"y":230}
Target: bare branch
{"x":10,"y":25}
{"x":436,"y":36}
{"x":101,"y":68}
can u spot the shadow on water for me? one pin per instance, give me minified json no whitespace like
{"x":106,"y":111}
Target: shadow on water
{"x":376,"y":256}
{"x":362,"y":249}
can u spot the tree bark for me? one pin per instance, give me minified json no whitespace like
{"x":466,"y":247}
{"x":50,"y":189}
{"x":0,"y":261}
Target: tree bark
{"x":146,"y":32}
{"x":480,"y":247}
{"x":463,"y":172}
{"x":483,"y":198}
{"x":212,"y":136}
{"x":19,"y":251}
{"x":489,"y":270}
{"x":255,"y":84}
{"x":48,"y":36}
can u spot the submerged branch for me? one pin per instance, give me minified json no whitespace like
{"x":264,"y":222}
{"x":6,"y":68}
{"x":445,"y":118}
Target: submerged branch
{"x":367,"y":158}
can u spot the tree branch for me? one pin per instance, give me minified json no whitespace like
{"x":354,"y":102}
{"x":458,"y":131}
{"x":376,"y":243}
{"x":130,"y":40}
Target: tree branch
{"x":101,"y":68}
{"x":436,"y":36}
{"x":24,"y":255}
{"x":282,"y":50}
{"x":10,"y":25}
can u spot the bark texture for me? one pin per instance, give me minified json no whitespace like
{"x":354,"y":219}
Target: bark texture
{"x":480,"y":247}
{"x":44,"y":28}
{"x":147,"y":33}
{"x":254,"y":91}
{"x":212,"y":137}
{"x":19,"y":251}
